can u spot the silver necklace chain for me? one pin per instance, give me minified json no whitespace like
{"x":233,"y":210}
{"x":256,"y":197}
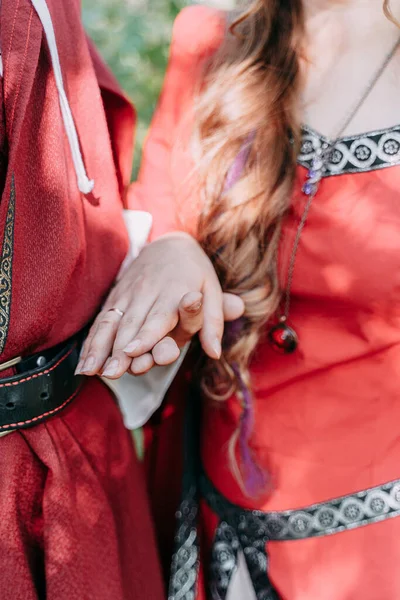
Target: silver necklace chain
{"x":315,"y":174}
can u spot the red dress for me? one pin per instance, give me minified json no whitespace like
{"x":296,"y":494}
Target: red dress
{"x":327,"y":416}
{"x":74,"y":513}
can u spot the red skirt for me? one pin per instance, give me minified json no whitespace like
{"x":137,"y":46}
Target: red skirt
{"x":75,"y":521}
{"x":338,"y":548}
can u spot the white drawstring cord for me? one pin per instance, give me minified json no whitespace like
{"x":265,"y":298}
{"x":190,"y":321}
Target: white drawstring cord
{"x":84,"y":183}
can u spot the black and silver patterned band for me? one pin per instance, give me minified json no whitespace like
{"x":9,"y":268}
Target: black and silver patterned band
{"x":353,"y":154}
{"x":325,"y":518}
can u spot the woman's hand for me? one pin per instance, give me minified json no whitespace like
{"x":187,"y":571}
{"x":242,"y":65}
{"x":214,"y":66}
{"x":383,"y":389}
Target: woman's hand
{"x":166,"y":296}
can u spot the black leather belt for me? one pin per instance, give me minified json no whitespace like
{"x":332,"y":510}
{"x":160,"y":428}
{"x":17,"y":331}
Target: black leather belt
{"x":44,"y":385}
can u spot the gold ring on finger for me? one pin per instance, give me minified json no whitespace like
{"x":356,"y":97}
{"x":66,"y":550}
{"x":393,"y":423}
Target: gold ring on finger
{"x":117,"y":310}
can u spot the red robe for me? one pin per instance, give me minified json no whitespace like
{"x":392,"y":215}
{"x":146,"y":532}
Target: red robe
{"x":61,"y":261}
{"x":74,"y":512}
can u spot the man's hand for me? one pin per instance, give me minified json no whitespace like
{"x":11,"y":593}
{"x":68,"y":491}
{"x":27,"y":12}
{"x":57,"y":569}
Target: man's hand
{"x":166,"y":296}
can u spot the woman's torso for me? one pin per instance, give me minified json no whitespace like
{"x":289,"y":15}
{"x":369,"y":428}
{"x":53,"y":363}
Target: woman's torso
{"x":333,"y":402}
{"x":326,"y":416}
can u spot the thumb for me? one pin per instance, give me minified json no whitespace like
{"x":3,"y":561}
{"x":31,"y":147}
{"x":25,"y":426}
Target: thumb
{"x":233,"y":307}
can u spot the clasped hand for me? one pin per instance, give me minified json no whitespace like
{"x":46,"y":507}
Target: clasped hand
{"x":166,"y":296}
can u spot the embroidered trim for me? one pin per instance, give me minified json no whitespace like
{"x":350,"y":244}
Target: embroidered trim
{"x":354,"y":154}
{"x":227,"y":544}
{"x":224,"y":560}
{"x":229,"y":538}
{"x":6,"y":269}
{"x":185,"y":561}
{"x":326,"y":518}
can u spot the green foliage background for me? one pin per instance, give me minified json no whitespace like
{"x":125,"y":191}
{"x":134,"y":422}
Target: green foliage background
{"x":133,"y":37}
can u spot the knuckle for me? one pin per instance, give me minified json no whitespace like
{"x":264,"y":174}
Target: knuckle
{"x":160,"y":313}
{"x":139,"y":283}
{"x":105,"y":323}
{"x":96,"y":346}
{"x":86,"y":345}
{"x":129,"y":320}
{"x":118,"y":354}
{"x":149,"y":332}
{"x":158,"y":321}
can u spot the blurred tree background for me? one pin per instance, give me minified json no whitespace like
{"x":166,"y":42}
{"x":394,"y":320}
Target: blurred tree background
{"x":133,"y":37}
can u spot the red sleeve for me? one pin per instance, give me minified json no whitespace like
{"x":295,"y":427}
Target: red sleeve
{"x":121,"y":119}
{"x":197,"y":32}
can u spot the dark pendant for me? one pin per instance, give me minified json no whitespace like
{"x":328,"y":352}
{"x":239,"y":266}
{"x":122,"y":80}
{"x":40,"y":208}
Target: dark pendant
{"x":283,"y":338}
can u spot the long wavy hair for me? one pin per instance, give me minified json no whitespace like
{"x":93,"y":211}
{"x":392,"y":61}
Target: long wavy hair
{"x":249,"y":104}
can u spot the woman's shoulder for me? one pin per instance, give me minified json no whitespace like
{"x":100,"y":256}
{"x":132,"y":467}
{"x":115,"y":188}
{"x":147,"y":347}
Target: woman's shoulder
{"x":198,"y":32}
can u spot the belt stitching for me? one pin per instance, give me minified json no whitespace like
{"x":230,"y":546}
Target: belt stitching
{"x":36,"y":375}
{"x":47,"y":414}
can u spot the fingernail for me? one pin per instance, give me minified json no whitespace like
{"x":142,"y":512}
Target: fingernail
{"x":78,"y":369}
{"x":132,"y":346}
{"x":216,"y":346}
{"x":194,"y":307}
{"x":88,"y":365}
{"x":111,"y":369}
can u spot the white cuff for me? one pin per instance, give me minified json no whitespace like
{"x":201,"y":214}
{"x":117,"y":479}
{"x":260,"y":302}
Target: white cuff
{"x":139,"y":397}
{"x":138,"y":224}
